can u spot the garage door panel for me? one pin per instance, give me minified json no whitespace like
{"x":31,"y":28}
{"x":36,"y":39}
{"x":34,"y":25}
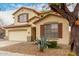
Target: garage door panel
{"x":18,"y":35}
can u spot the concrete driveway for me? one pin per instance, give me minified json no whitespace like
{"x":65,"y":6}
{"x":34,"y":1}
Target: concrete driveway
{"x":4,"y":43}
{"x":7,"y":53}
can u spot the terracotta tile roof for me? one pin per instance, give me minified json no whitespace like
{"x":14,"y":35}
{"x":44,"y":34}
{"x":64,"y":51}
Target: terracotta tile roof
{"x":26,"y":8}
{"x":20,"y":25}
{"x":38,"y":12}
{"x":33,"y":18}
{"x":47,"y":16}
{"x":43,"y":12}
{"x":2,"y":26}
{"x":77,"y":22}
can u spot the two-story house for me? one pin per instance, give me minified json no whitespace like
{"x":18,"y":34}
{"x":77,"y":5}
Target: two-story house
{"x":31,"y":25}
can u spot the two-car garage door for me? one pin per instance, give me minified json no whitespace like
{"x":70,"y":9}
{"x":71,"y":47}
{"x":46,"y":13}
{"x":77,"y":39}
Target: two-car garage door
{"x":18,"y":35}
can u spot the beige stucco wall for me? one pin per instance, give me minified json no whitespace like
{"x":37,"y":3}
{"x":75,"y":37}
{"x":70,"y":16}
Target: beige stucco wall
{"x":30,"y":14}
{"x":27,"y":29}
{"x":51,"y":18}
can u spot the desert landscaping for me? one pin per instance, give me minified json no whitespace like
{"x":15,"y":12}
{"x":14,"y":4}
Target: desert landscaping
{"x":31,"y":49}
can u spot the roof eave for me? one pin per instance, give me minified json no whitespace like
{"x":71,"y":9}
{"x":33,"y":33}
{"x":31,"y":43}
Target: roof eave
{"x":17,"y":26}
{"x":45,"y":17}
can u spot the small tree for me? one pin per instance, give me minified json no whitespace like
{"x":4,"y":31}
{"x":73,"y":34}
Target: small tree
{"x":42,"y":43}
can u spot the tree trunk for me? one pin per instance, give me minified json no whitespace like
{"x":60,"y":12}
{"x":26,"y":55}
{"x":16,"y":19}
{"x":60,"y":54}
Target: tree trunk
{"x":71,"y":17}
{"x":75,"y":39}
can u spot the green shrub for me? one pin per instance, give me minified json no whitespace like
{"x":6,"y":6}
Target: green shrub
{"x":52,"y":44}
{"x":71,"y":54}
{"x":42,"y":44}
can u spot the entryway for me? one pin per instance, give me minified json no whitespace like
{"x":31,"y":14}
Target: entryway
{"x":33,"y":33}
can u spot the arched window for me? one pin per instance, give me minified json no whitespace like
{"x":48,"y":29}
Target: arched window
{"x":23,"y":17}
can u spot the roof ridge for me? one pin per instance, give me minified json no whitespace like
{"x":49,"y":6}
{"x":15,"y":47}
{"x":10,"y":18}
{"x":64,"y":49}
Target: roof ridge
{"x":26,"y":8}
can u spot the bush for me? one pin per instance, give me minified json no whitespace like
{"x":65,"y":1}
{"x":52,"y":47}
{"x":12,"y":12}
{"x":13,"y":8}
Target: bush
{"x":52,"y":44}
{"x":42,"y":44}
{"x":71,"y":54}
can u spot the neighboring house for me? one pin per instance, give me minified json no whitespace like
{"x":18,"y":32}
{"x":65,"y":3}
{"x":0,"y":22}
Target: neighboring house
{"x":2,"y":32}
{"x":31,"y":25}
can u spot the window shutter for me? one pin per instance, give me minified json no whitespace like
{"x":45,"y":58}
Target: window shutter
{"x":41,"y":30}
{"x":60,"y":30}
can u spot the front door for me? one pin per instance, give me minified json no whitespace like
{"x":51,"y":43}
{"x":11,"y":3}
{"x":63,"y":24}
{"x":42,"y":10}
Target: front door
{"x":33,"y":31}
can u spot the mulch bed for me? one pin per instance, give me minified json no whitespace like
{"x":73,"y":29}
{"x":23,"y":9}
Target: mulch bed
{"x":31,"y":49}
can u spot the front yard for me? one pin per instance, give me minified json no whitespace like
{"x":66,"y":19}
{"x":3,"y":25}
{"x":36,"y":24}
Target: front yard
{"x":31,"y":49}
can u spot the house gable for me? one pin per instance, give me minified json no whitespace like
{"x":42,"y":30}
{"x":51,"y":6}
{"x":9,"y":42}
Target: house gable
{"x":26,"y":8}
{"x":23,"y":10}
{"x":63,"y":27}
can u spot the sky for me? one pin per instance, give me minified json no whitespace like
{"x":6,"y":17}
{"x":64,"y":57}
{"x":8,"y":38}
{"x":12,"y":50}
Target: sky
{"x":12,"y":6}
{"x":6,"y":10}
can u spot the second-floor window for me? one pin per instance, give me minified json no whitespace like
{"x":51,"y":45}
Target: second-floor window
{"x":23,"y":17}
